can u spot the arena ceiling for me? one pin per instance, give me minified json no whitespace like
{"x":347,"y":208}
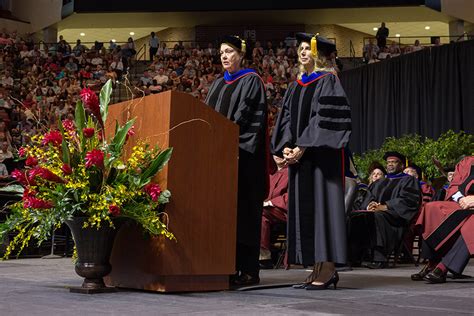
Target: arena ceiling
{"x":406,"y":21}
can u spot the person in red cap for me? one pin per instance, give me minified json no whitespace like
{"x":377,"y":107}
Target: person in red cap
{"x":389,"y":206}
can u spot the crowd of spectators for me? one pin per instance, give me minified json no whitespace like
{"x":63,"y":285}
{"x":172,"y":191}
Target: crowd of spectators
{"x":373,"y":53}
{"x":40,"y":83}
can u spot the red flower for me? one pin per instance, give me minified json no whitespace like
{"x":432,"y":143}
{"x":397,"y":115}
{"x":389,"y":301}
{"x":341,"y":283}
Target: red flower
{"x":27,"y":193}
{"x":131,"y":131}
{"x":32,"y":202}
{"x":88,"y":132}
{"x":20,"y":176}
{"x":68,"y":125}
{"x":91,"y":102}
{"x":95,"y":157}
{"x":153,"y":190}
{"x":114,"y":210}
{"x":66,"y":169}
{"x":22,"y":152}
{"x":44,"y":174}
{"x":54,"y":137}
{"x":31,"y":161}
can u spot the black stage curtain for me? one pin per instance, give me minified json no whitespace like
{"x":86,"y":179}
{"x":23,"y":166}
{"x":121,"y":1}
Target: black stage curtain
{"x":426,"y":92}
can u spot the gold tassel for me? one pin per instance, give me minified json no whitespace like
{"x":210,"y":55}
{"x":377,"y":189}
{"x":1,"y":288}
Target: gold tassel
{"x":314,"y":45}
{"x":244,"y":47}
{"x":406,"y":161}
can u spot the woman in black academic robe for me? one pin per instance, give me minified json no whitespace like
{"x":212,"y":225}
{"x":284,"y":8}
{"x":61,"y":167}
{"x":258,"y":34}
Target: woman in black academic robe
{"x":311,"y":131}
{"x":240,"y":96}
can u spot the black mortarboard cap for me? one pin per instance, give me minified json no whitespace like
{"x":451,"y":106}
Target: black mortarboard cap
{"x":235,"y":42}
{"x":395,"y":154}
{"x":376,"y":165}
{"x":449,"y":169}
{"x":324,"y":46}
{"x":417,"y":168}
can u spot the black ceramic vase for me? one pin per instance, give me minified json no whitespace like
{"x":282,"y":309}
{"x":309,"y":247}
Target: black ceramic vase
{"x":94,"y":247}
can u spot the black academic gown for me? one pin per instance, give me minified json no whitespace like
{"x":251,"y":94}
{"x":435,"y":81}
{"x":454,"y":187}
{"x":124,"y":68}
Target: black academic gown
{"x":243,"y":101}
{"x":315,"y":115}
{"x":383,"y":231}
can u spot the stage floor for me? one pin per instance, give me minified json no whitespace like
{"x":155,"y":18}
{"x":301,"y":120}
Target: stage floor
{"x":39,"y":287}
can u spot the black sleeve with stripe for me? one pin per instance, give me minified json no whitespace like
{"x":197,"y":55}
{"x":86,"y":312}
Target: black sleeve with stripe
{"x":251,"y":114}
{"x":330,"y":125}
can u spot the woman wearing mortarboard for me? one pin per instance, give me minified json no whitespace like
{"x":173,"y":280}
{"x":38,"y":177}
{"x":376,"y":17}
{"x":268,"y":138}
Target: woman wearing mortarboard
{"x":240,"y":96}
{"x":311,"y":131}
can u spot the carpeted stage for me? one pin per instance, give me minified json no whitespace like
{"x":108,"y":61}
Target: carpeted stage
{"x":39,"y":287}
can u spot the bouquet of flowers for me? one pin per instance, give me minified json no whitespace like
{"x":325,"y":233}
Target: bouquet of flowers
{"x":74,"y":171}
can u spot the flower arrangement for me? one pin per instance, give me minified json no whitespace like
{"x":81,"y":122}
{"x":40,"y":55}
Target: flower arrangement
{"x":75,"y":171}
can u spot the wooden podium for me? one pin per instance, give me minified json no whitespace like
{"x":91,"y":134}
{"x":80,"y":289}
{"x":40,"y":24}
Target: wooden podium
{"x":202,"y":177}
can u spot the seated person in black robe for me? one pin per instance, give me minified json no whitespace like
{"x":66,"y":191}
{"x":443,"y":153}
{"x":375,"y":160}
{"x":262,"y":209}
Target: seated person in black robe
{"x":388,"y":207}
{"x":376,"y":171}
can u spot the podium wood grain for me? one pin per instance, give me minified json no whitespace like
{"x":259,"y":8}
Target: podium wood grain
{"x":202,"y":178}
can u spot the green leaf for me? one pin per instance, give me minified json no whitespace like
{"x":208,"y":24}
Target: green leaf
{"x":80,"y":117}
{"x":157,"y":164}
{"x":105,"y":93}
{"x":13,"y":188}
{"x":64,"y":147}
{"x":119,"y":139}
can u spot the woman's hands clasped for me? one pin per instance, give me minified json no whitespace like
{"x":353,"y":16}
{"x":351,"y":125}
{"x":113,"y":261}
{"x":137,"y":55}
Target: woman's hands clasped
{"x":293,"y":156}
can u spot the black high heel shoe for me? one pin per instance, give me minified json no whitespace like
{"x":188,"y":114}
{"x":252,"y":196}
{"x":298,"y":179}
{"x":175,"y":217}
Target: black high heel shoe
{"x":333,"y":280}
{"x":310,"y":278}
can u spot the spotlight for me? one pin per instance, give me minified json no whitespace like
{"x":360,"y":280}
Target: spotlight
{"x":83,"y":34}
{"x":427,"y":27}
{"x":113,"y":40}
{"x":132,"y":33}
{"x":375,"y":28}
{"x":397,"y":35}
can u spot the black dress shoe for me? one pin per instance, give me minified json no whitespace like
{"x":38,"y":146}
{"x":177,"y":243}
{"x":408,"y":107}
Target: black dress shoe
{"x":266,"y":264}
{"x":436,"y":276}
{"x":458,"y":276}
{"x":376,"y":265}
{"x":420,"y":275}
{"x":246,"y":280}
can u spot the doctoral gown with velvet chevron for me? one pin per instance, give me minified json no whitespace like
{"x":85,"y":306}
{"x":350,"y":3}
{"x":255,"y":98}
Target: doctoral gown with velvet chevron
{"x":241,"y":98}
{"x":316,"y":115}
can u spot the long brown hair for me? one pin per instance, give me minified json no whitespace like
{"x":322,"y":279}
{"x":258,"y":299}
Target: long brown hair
{"x":320,"y":62}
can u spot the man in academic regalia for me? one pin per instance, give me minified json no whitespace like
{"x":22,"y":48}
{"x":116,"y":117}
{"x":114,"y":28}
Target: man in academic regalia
{"x":448,"y":227}
{"x":275,"y":209}
{"x":388,"y":207}
{"x":240,"y":96}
